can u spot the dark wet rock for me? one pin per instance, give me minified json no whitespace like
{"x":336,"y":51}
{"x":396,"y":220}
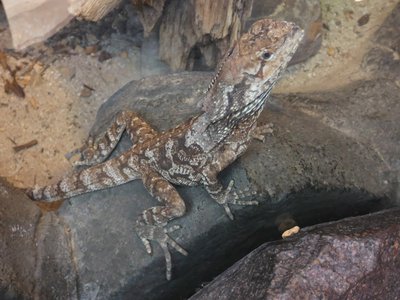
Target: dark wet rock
{"x":355,"y":258}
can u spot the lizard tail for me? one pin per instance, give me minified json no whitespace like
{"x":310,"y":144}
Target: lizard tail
{"x":108,"y":174}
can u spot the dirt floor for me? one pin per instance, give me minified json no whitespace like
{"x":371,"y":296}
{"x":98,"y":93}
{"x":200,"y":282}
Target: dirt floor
{"x":62,"y":94}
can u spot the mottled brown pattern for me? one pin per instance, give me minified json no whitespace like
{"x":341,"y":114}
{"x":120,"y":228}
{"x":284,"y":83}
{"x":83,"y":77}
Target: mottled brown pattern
{"x":196,"y":151}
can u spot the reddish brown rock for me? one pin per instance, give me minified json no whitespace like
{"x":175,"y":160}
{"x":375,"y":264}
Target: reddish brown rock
{"x":356,"y":258}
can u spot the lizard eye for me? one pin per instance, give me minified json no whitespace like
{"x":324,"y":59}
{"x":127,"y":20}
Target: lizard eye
{"x":266,"y":55}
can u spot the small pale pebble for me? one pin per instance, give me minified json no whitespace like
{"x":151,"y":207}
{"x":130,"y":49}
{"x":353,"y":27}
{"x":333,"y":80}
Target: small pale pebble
{"x":85,"y":92}
{"x":290,"y":232}
{"x":331,"y":51}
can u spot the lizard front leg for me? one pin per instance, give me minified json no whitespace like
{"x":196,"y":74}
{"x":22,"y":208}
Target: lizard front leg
{"x":96,"y":151}
{"x":226,"y":196}
{"x":150,"y":225}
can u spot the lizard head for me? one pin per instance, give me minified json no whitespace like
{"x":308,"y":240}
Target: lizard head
{"x":261,"y":54}
{"x":251,"y":67}
{"x":244,"y":79}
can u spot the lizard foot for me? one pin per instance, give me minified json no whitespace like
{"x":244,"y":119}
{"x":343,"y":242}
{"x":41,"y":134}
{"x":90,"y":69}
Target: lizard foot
{"x":160,"y":235}
{"x":260,"y":131}
{"x":235,"y":197}
{"x":86,"y":152}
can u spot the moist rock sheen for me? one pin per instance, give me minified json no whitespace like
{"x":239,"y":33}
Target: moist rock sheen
{"x":331,"y":155}
{"x":355,"y":258}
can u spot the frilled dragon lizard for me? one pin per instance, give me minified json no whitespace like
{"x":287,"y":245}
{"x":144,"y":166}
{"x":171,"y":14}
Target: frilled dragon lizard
{"x":193,"y":153}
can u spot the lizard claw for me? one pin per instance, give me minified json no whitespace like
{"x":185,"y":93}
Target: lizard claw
{"x":159,"y":234}
{"x":86,"y":153}
{"x":260,"y":132}
{"x":234,"y":197}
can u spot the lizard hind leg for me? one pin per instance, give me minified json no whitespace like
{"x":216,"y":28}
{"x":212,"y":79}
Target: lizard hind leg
{"x":150,"y":226}
{"x":95,"y":151}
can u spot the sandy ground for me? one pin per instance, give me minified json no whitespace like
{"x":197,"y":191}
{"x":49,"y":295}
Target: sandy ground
{"x":343,"y":47}
{"x":58,"y":117}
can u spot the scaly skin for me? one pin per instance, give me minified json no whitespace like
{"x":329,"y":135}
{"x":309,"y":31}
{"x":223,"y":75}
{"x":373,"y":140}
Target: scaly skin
{"x":197,"y":150}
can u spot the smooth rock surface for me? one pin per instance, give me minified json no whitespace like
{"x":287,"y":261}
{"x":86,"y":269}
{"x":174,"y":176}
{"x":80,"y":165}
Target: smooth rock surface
{"x":355,"y":258}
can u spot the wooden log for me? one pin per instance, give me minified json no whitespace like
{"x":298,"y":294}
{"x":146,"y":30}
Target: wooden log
{"x":193,"y":25}
{"x":150,"y":12}
{"x":94,"y":10}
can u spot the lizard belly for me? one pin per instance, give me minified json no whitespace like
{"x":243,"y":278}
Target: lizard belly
{"x":181,"y":176}
{"x":176,"y":170}
{"x":177,"y":163}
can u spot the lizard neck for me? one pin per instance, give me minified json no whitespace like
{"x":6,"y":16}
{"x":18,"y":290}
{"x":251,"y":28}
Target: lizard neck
{"x":229,"y":111}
